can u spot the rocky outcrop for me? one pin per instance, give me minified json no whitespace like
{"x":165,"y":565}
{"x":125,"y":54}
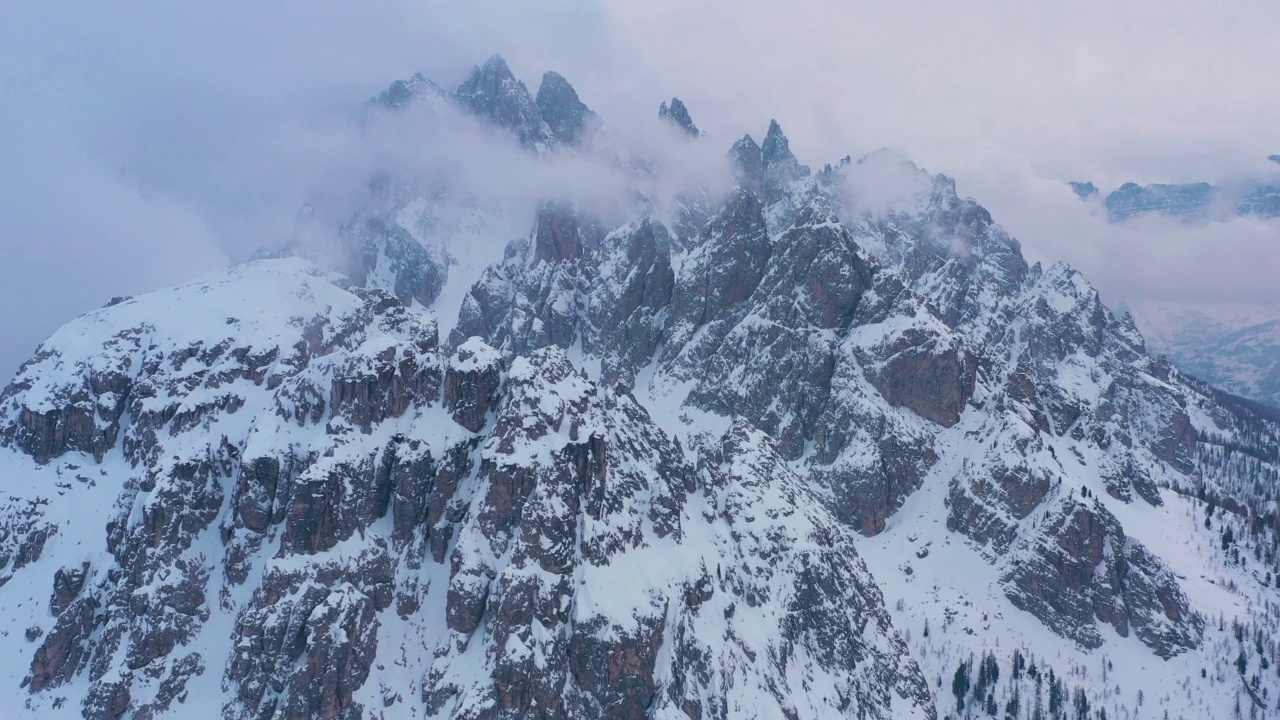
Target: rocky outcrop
{"x":302,"y":649}
{"x":67,"y":583}
{"x":573,"y":285}
{"x":629,"y":303}
{"x":83,"y":413}
{"x":471,"y":383}
{"x":24,"y":531}
{"x":724,"y":270}
{"x":910,"y":357}
{"x":1084,"y":571}
{"x":811,"y":280}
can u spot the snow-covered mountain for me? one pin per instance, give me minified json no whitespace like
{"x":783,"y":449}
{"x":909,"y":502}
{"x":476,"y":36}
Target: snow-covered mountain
{"x":820,"y":446}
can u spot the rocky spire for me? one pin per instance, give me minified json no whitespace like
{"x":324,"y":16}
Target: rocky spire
{"x":567,"y":117}
{"x":677,"y":114}
{"x":748,"y":164}
{"x":493,"y":93}
{"x":776,"y":148}
{"x":766,"y":170}
{"x":780,"y":166}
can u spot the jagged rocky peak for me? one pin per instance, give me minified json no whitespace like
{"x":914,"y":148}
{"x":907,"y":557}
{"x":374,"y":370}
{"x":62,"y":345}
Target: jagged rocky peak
{"x":677,"y":114}
{"x":555,"y":117}
{"x":777,"y":158}
{"x":766,"y":169}
{"x":494,"y":94}
{"x":403,"y":93}
{"x":570,"y":120}
{"x":1274,"y":158}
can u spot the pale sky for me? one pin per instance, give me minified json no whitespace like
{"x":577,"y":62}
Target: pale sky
{"x":148,"y":141}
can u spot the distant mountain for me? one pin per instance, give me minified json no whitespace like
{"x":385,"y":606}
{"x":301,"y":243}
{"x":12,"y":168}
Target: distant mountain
{"x":1181,"y":201}
{"x":1187,"y":201}
{"x":1084,"y":190}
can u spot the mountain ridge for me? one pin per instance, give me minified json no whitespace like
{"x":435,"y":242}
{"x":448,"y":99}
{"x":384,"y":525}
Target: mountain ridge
{"x":521,"y":518}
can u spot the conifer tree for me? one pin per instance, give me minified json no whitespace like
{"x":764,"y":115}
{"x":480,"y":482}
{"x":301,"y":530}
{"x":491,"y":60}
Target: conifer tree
{"x":960,"y":684}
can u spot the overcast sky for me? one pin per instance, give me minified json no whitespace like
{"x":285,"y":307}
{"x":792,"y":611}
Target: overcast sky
{"x":146,"y":142}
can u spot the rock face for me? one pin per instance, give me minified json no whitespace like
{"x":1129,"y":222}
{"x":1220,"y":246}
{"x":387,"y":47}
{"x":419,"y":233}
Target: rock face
{"x":639,"y":477}
{"x":1100,"y":576}
{"x":603,"y":502}
{"x":568,"y":118}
